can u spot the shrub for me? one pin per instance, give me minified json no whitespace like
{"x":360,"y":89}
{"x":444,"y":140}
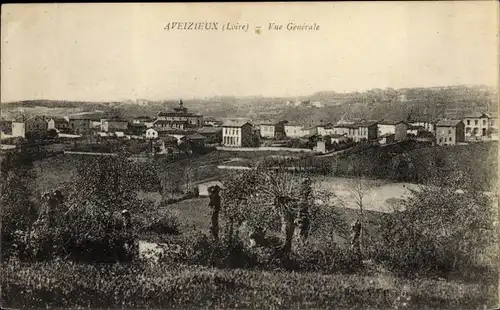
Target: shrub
{"x":439,"y":232}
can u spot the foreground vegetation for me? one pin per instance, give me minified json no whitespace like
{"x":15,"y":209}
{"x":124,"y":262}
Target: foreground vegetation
{"x":63,"y":284}
{"x":71,"y":247}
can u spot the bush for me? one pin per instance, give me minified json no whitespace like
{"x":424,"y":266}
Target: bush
{"x":440,"y":232}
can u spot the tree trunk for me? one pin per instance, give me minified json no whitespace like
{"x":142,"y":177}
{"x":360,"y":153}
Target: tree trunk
{"x":287,"y":229}
{"x":215,"y":224}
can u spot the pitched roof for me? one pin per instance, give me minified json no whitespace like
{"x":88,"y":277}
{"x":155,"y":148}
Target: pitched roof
{"x":476,"y":115}
{"x":448,"y":122}
{"x":388,"y":122}
{"x":196,"y":136}
{"x":210,"y":130}
{"x":235,"y":123}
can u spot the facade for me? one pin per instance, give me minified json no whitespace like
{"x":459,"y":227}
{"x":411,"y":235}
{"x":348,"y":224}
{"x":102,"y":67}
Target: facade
{"x":401,"y":131}
{"x":151,"y":133}
{"x":386,"y":127}
{"x":450,"y":132}
{"x":237,"y":133}
{"x":161,"y":125}
{"x":79,"y":124}
{"x":358,"y":131}
{"x":58,"y":123}
{"x":426,"y":123}
{"x":367,"y":131}
{"x":325,"y":130}
{"x":178,"y":116}
{"x":272,"y":131}
{"x":477,"y":125}
{"x":114,"y":125}
{"x":22,"y":125}
{"x":293,"y":130}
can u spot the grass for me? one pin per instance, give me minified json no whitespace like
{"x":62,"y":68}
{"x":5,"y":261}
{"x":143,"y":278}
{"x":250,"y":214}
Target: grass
{"x":200,"y":287}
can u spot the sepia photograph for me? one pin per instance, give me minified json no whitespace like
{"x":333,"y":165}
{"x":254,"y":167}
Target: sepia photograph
{"x":302,"y":155}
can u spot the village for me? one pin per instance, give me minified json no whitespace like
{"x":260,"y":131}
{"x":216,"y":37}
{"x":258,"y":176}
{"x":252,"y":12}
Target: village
{"x":171,"y":129}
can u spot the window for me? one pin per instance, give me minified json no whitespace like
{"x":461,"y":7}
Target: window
{"x":484,"y":122}
{"x":476,"y":122}
{"x":468,"y":122}
{"x":449,"y":131}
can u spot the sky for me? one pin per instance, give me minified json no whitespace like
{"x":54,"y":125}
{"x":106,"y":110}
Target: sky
{"x":108,"y":52}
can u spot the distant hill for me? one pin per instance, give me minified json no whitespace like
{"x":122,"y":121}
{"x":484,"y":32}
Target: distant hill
{"x":329,"y":106}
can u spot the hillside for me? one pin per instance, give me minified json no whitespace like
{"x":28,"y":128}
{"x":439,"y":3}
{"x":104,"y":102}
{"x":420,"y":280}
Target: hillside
{"x":452,"y":101}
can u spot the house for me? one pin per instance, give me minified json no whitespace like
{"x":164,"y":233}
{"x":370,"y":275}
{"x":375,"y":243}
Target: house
{"x":273,"y":130}
{"x":386,"y":127}
{"x":178,"y":116}
{"x":367,"y":130}
{"x":59,"y":123}
{"x":401,"y":131}
{"x":114,"y":125}
{"x":295,"y":130}
{"x":237,"y":133}
{"x":424,"y":121}
{"x":151,"y":133}
{"x":23,"y":125}
{"x":311,"y":130}
{"x":212,"y":134}
{"x":477,"y":125}
{"x":325,"y":130}
{"x":80,"y":124}
{"x":196,"y":140}
{"x":387,"y":138}
{"x":450,"y":132}
{"x":364,"y":130}
{"x":342,"y":129}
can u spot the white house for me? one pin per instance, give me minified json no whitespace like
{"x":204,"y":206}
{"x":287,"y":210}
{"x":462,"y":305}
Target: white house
{"x":386,"y":127}
{"x":151,"y":133}
{"x":237,"y":133}
{"x":294,"y":130}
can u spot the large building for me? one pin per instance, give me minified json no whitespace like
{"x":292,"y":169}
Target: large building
{"x":450,"y":132}
{"x":237,"y":133}
{"x":23,"y":125}
{"x":179,"y":117}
